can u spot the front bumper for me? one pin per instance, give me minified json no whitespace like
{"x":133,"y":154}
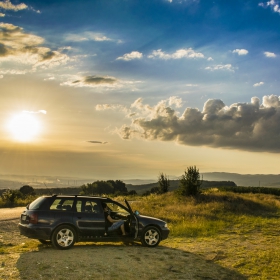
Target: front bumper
{"x":164,"y":233}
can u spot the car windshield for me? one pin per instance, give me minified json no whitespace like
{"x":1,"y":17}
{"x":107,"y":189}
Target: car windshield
{"x":36,"y":203}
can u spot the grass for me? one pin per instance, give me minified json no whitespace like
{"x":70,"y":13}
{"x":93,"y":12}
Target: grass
{"x":238,"y":232}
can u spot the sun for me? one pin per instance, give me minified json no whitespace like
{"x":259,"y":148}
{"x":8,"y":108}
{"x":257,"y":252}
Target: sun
{"x":24,"y":127}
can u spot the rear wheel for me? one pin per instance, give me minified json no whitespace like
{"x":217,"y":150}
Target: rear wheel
{"x":64,"y":237}
{"x":150,"y":237}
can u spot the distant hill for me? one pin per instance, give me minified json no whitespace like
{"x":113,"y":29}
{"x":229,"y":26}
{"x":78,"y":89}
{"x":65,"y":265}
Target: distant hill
{"x":252,"y":180}
{"x":174,"y":184}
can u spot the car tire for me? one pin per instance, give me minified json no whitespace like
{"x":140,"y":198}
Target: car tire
{"x":151,"y":237}
{"x":43,"y":241}
{"x":63,"y":237}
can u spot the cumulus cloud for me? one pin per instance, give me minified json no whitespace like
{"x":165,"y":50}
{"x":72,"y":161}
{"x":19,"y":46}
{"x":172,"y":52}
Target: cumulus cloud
{"x":269,"y":54}
{"x":7,"y":5}
{"x":130,"y":56}
{"x":20,"y":47}
{"x":2,"y":15}
{"x":240,"y":51}
{"x":182,"y":53}
{"x":258,"y":84}
{"x":252,"y":126}
{"x":227,"y":67}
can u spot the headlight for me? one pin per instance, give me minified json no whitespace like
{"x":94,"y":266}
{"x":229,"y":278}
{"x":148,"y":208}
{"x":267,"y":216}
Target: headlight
{"x":165,"y":225}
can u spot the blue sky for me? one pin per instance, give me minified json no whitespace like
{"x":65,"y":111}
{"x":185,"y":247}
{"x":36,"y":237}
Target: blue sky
{"x":131,"y":88}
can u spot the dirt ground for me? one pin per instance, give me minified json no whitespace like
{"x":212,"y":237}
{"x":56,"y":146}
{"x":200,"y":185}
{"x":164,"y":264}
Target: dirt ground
{"x":23,"y":258}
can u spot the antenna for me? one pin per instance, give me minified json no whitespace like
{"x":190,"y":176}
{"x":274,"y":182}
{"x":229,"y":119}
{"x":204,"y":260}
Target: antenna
{"x":47,"y":188}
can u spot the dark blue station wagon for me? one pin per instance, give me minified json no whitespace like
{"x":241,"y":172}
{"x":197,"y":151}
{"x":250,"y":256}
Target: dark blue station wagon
{"x":64,"y":220}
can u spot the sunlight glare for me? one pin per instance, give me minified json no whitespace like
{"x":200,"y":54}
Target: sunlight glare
{"x":24,"y":127}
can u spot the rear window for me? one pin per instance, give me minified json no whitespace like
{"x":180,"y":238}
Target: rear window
{"x":36,"y":204}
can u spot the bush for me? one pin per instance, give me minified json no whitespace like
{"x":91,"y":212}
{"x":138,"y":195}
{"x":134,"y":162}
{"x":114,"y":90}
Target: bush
{"x":9,"y":197}
{"x":190,"y":182}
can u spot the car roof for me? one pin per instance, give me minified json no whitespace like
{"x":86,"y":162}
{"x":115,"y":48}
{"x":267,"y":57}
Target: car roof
{"x":80,"y":196}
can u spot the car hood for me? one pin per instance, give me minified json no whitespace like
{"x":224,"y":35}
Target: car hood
{"x":150,"y":219}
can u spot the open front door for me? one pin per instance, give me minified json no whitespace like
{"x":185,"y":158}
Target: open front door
{"x":134,"y":220}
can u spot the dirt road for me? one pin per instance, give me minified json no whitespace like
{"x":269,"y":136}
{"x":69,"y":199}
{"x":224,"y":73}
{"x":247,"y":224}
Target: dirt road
{"x":7,"y":214}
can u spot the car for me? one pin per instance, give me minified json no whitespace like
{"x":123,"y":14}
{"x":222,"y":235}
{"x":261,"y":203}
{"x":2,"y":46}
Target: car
{"x":63,"y":220}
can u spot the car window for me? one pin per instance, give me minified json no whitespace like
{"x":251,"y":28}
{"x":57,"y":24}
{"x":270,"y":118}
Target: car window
{"x":62,"y":204}
{"x":116,"y":208}
{"x":36,"y":203}
{"x":88,"y":206}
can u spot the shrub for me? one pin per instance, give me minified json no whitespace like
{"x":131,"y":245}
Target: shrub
{"x":190,"y":182}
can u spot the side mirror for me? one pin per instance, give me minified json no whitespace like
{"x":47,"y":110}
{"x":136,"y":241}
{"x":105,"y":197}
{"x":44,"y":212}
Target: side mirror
{"x":136,"y":213}
{"x":27,"y":206}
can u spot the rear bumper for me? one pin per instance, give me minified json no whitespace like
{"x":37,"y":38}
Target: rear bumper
{"x":35,"y":231}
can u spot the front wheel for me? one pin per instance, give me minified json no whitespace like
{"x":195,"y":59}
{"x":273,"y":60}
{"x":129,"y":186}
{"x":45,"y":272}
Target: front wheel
{"x":150,"y":237}
{"x":64,"y":237}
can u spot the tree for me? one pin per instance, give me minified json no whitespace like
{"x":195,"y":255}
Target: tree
{"x":10,"y":196}
{"x":88,"y":189}
{"x":164,"y":183}
{"x":119,"y":186}
{"x":27,"y":190}
{"x":132,"y":192}
{"x":103,"y":187}
{"x":190,"y":182}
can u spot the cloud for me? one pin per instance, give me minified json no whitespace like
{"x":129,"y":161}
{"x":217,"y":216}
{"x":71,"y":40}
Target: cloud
{"x":181,"y":53}
{"x":92,"y":81}
{"x":95,"y":81}
{"x":227,"y":67}
{"x":16,"y":46}
{"x":2,"y":15}
{"x":117,"y":107}
{"x":36,"y":112}
{"x":96,"y":142}
{"x":130,"y":56}
{"x":273,"y":4}
{"x":269,"y":54}
{"x":258,"y":84}
{"x":191,"y":85}
{"x":7,"y":5}
{"x":88,"y":36}
{"x":240,"y":51}
{"x":246,"y":126}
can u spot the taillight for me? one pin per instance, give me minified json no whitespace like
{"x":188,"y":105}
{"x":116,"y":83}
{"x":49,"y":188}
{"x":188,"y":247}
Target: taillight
{"x":33,"y":219}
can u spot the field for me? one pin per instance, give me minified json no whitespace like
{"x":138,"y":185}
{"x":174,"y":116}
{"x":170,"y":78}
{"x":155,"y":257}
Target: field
{"x":218,"y":235}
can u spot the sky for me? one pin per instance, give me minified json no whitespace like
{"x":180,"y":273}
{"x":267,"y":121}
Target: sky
{"x":121,"y":89}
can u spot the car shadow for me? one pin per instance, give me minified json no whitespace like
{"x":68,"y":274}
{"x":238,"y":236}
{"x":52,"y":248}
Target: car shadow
{"x":119,"y":261}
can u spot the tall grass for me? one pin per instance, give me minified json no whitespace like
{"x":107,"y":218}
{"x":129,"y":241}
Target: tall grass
{"x":210,"y":213}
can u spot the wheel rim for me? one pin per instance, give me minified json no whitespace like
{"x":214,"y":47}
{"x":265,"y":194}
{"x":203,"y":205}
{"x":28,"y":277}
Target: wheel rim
{"x":151,"y":237}
{"x":65,"y":237}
